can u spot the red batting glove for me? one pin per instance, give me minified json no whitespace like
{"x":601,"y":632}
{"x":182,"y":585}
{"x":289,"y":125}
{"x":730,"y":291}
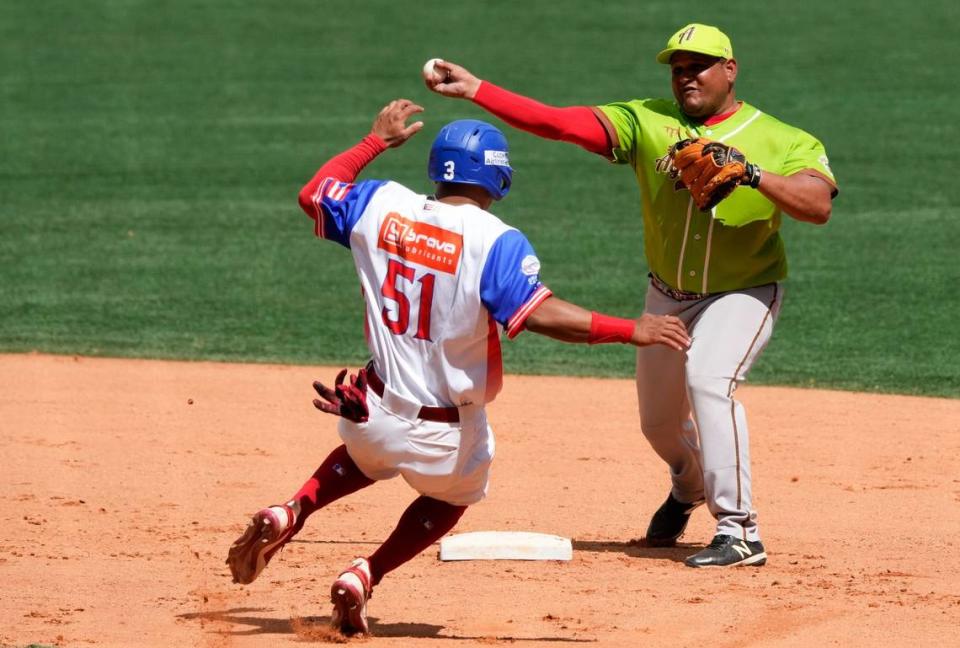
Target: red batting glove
{"x":348,"y":400}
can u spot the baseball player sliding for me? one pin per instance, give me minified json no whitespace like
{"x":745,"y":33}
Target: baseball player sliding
{"x":716,"y":175}
{"x":441,"y":278}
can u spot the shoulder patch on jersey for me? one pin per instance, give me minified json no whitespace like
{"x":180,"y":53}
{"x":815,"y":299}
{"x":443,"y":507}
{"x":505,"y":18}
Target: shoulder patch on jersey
{"x":337,"y":190}
{"x":530,"y":265}
{"x":826,"y":163}
{"x":421,"y":243}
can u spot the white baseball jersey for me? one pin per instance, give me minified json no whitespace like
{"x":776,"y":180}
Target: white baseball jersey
{"x":440,"y":283}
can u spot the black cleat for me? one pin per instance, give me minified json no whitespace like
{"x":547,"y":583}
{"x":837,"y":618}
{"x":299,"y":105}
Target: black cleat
{"x":727,"y":551}
{"x":669,"y":522}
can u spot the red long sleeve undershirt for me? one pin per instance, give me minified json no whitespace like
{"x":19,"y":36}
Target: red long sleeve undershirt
{"x":575,"y":124}
{"x":344,"y":167}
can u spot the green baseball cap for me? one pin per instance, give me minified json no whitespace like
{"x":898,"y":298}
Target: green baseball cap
{"x":702,"y":39}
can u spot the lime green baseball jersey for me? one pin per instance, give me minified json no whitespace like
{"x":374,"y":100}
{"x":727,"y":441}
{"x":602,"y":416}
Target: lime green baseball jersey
{"x":738,"y":244}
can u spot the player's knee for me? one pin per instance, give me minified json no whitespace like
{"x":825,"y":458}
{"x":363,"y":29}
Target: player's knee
{"x":703,"y":385}
{"x":660,"y":428}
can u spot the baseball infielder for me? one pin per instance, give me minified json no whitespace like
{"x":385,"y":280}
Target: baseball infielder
{"x":716,"y":265}
{"x":441,"y":278}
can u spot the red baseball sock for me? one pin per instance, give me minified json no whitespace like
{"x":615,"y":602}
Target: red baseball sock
{"x":422,"y":524}
{"x":336,"y":477}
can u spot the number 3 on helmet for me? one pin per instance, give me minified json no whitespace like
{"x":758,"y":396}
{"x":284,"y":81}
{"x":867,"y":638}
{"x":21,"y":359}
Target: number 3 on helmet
{"x":473,"y":152}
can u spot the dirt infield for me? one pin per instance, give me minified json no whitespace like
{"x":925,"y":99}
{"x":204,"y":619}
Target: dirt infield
{"x":124,"y":482}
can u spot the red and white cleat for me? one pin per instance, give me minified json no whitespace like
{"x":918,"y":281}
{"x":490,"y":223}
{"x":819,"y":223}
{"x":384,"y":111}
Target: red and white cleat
{"x":349,"y":595}
{"x":268,"y":531}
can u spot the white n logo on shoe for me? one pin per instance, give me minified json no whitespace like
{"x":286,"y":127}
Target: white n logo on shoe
{"x":742,"y":549}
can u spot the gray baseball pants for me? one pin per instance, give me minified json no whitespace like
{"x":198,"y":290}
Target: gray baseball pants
{"x":688,"y":412}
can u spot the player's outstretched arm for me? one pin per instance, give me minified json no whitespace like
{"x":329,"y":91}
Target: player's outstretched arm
{"x":389,"y":130}
{"x":581,"y":125}
{"x":568,"y":322}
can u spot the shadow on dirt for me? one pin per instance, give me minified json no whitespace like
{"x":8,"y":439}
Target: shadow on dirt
{"x":240,"y":616}
{"x":638,"y":549}
{"x":318,"y":627}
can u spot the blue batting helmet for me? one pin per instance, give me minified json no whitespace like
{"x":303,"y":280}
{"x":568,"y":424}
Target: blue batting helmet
{"x":469,"y":151}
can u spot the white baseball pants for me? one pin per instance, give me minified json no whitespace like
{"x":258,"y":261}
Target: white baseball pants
{"x":449,"y":462}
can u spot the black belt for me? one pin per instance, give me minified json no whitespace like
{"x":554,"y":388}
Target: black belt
{"x":673,"y":293}
{"x":427,"y":413}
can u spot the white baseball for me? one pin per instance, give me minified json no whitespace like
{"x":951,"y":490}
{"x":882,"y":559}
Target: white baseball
{"x":430,"y":73}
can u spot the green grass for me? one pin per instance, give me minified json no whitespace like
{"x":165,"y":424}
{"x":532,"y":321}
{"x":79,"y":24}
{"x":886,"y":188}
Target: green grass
{"x":152,"y":152}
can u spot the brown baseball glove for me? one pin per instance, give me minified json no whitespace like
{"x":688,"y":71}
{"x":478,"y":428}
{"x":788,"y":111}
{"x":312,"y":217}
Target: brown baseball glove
{"x":710,"y":170}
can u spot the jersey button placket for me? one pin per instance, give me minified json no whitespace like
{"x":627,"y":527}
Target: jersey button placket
{"x":695,"y":252}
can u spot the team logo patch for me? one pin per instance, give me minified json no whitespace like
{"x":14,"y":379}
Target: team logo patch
{"x":335,"y":190}
{"x":826,"y":163}
{"x":496,"y":158}
{"x":421,"y":243}
{"x":530,"y":265}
